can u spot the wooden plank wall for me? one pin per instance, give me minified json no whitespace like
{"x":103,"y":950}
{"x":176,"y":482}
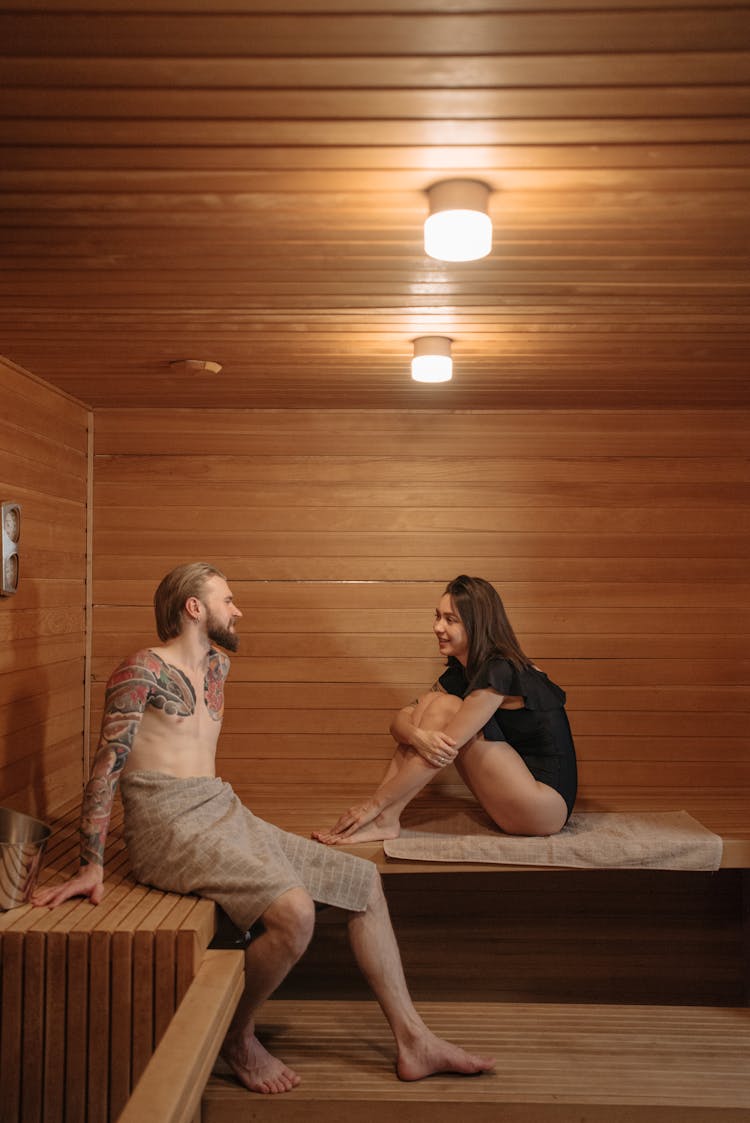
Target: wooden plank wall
{"x":44,"y":467}
{"x":618,"y":539}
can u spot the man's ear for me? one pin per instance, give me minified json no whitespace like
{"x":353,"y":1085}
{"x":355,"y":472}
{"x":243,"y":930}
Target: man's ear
{"x":193,"y":608}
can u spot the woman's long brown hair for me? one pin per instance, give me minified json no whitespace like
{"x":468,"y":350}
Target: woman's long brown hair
{"x":488,"y":628}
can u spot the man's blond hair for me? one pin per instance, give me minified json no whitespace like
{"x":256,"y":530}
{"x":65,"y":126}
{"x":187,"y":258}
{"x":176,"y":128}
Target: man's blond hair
{"x":174,"y":590}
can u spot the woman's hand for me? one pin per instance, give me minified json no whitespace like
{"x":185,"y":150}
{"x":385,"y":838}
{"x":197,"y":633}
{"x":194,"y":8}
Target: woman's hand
{"x":88,"y":882}
{"x":433,"y":746}
{"x":350,"y":822}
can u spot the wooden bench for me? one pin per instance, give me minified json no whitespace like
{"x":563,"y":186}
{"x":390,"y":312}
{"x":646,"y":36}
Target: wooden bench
{"x":558,"y":1062}
{"x":725,"y":812}
{"x":132,"y":980}
{"x":88,"y":992}
{"x":602,"y":1062}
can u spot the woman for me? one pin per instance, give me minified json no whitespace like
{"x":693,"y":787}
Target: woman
{"x":493,"y":712}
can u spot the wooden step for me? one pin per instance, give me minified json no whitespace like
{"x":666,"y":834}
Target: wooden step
{"x":557,"y":1063}
{"x":170,"y":1089}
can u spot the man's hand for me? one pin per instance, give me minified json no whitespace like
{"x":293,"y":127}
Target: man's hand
{"x":88,"y":882}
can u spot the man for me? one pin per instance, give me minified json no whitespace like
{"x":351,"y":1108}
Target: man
{"x":187,"y":832}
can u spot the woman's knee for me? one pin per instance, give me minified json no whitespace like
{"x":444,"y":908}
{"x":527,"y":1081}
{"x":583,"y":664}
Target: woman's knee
{"x":291,"y":919}
{"x":439,"y":709}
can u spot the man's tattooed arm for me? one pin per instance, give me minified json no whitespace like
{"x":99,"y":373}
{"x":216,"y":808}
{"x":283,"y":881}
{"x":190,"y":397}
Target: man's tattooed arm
{"x":141,"y":680}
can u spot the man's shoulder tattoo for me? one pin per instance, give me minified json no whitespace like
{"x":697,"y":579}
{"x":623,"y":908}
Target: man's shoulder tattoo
{"x":213,"y":685}
{"x":145,"y":679}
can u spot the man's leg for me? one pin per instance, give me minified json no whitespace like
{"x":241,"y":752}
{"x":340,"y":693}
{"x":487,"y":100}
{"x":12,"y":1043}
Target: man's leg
{"x":288,"y":923}
{"x":420,"y":1052}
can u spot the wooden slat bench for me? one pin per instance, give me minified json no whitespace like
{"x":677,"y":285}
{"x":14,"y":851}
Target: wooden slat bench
{"x":88,"y":992}
{"x":589,"y":1063}
{"x":113,"y":977}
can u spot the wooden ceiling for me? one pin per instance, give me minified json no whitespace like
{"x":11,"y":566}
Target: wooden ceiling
{"x":244,"y":181}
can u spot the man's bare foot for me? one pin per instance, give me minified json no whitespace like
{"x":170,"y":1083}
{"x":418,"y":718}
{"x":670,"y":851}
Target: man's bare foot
{"x":430,"y":1054}
{"x":257,"y":1070}
{"x":381,"y":828}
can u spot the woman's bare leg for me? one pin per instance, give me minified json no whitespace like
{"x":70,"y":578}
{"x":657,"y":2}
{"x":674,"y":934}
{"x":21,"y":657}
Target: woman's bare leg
{"x":492,"y":770}
{"x":507,"y":791}
{"x":410,"y":773}
{"x":433,"y":711}
{"x":401,"y":754}
{"x":500,"y":781}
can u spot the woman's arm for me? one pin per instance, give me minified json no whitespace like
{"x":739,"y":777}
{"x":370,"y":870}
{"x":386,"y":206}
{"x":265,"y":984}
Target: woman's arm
{"x":476,"y":710}
{"x":431,"y":744}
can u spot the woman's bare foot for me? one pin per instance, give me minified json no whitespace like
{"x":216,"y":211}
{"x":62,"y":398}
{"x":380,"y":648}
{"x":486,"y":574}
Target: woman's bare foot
{"x":382,"y":826}
{"x":429,"y":1055}
{"x":257,"y":1070}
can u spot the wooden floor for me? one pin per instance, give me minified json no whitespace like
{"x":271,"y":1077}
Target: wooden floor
{"x":562,"y":1063}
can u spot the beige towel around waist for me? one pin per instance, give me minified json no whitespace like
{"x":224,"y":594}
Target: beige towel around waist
{"x":657,"y":840}
{"x":193,"y":835}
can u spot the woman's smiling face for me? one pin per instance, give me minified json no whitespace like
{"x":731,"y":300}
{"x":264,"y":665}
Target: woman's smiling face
{"x":449,"y":630}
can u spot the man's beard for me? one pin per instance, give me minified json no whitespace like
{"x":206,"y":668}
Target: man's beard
{"x":224,"y":637}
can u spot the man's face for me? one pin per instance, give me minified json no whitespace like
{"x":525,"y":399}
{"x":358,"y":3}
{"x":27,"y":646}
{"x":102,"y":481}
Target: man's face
{"x":221,"y":613}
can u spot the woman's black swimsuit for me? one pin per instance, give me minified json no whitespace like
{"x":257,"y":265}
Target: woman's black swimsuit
{"x":539,"y":732}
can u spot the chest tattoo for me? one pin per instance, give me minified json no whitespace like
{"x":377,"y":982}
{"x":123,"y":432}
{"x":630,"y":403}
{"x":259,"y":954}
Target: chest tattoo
{"x":172,"y":692}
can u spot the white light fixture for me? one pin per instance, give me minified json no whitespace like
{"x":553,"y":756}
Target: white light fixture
{"x":432,"y":360}
{"x":458,"y":227}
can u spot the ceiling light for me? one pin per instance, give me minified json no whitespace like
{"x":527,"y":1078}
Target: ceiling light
{"x":432,"y":360}
{"x":458,"y":227}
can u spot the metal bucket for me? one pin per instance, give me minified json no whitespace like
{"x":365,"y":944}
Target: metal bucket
{"x":22,"y":842}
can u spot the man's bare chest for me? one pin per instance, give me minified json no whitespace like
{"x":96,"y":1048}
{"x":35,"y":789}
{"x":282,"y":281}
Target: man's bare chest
{"x":188,"y":699}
